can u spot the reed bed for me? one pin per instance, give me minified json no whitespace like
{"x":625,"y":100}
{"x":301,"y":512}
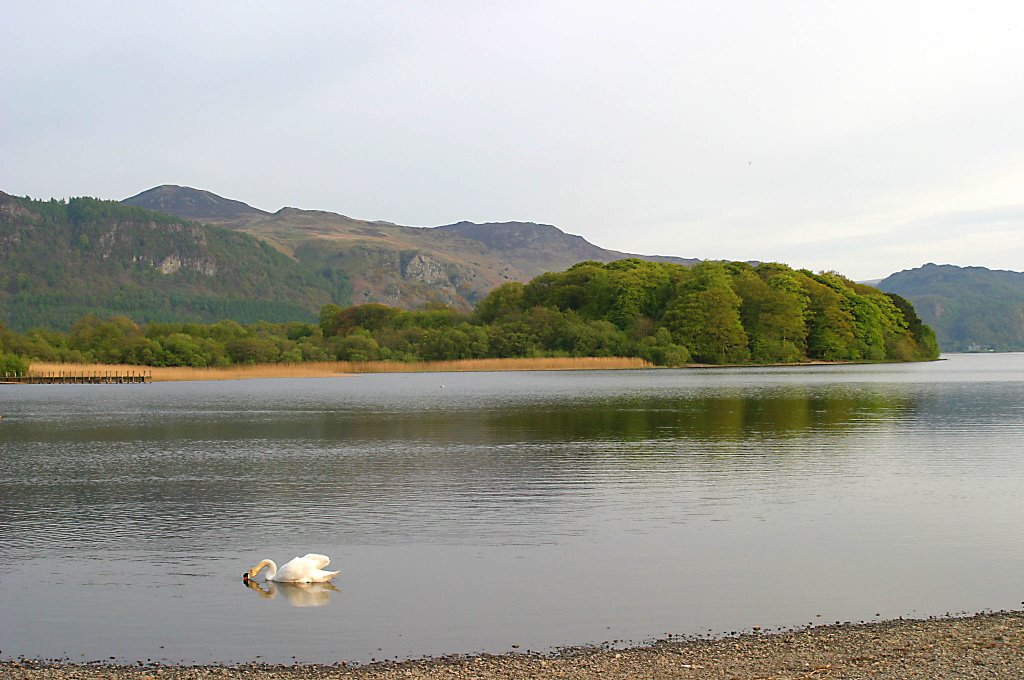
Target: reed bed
{"x":324,"y":369}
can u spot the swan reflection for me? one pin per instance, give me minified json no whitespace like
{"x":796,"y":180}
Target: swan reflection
{"x":297,"y":594}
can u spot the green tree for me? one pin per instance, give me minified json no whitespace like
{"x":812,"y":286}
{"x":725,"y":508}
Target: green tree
{"x":705,"y":317}
{"x":252,"y":350}
{"x":638,"y":289}
{"x":925,"y":345}
{"x":179,"y":349}
{"x":357,"y":345}
{"x":660,"y":350}
{"x":772,"y":311}
{"x":328,"y":320}
{"x":502,"y":302}
{"x":12,"y":364}
{"x":104,"y":340}
{"x":510,"y":339}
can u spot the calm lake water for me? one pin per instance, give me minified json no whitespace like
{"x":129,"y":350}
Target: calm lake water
{"x":474,"y":512}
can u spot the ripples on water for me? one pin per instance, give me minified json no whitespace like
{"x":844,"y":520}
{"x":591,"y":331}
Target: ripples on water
{"x":536,"y":508}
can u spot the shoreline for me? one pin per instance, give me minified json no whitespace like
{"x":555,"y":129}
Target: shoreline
{"x":334,"y":369}
{"x":983,"y":645}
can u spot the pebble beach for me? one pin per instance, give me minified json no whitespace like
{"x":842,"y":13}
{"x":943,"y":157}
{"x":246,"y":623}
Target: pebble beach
{"x":989,"y":645}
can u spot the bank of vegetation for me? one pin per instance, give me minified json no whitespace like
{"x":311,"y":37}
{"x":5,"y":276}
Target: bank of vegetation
{"x":663,"y":313}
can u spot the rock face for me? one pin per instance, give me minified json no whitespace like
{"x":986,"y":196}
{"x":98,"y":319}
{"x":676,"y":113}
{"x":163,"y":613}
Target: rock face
{"x":10,"y":207}
{"x":168,"y":248}
{"x":423,"y":269}
{"x":173,"y":263}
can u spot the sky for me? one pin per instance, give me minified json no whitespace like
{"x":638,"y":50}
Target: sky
{"x":862,"y":137}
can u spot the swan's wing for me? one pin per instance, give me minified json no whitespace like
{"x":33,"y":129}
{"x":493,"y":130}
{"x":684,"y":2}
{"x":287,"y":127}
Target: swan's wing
{"x":320,"y":576}
{"x":303,"y":569}
{"x":319,"y":561}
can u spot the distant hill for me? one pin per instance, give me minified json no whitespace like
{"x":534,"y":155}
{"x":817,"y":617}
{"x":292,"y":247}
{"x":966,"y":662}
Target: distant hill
{"x":62,"y":260}
{"x":193,"y":204}
{"x":970,"y":308}
{"x":540,"y":248}
{"x":456,"y":264}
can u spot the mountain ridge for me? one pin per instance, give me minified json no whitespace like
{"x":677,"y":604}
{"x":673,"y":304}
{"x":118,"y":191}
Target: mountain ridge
{"x":405,"y":266}
{"x":90,"y":258}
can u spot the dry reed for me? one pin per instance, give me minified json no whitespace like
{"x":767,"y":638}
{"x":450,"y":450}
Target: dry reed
{"x":324,"y":369}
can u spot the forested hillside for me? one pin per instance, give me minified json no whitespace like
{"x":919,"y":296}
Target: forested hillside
{"x":970,"y":308}
{"x":711,"y":313}
{"x":62,"y":260}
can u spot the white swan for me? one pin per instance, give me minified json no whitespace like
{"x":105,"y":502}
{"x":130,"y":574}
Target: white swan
{"x":306,"y":569}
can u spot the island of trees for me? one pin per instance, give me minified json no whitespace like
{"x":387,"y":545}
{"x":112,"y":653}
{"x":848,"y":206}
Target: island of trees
{"x":669,"y":314}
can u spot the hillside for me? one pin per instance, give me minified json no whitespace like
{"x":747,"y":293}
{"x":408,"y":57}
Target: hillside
{"x":62,"y":260}
{"x":970,"y":308}
{"x":455,"y":264}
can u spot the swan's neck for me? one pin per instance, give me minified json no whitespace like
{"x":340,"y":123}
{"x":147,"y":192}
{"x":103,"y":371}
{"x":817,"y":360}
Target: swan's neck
{"x":270,"y":565}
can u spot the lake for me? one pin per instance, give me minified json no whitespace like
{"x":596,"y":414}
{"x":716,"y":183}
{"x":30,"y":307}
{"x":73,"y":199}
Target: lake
{"x":475,"y":512}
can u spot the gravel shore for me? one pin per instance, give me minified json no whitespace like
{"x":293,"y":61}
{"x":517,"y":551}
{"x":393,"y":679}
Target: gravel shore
{"x":980,"y":646}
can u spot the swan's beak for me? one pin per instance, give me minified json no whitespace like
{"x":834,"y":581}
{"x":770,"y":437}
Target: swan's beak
{"x":245,"y":577}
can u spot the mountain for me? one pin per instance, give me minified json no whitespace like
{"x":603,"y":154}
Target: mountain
{"x":193,"y":204}
{"x":455,"y":264}
{"x":970,"y":308}
{"x":62,"y":260}
{"x":540,"y":248}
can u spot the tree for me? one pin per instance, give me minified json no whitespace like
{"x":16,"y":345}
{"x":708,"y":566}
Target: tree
{"x":926,"y":346}
{"x":639,"y":289}
{"x":705,"y":317}
{"x":773,"y":312}
{"x":358,"y":345}
{"x":501,"y":302}
{"x":328,"y":319}
{"x":660,"y":350}
{"x":12,"y":364}
{"x":104,"y":340}
{"x":830,"y":326}
{"x":252,"y":350}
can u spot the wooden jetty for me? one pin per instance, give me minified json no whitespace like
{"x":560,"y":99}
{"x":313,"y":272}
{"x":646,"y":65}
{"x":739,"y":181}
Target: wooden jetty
{"x":77,"y":378}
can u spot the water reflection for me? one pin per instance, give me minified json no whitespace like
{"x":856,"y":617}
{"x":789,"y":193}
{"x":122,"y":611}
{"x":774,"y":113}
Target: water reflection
{"x":705,"y":414}
{"x":465,"y":467}
{"x":297,"y":594}
{"x":496,"y":510}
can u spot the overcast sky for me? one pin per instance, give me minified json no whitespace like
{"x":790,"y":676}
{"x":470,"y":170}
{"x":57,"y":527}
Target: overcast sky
{"x":865,"y":137}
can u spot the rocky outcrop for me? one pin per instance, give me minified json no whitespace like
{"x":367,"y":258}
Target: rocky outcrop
{"x":172,"y":264}
{"x":148,"y":244}
{"x":424,"y":269}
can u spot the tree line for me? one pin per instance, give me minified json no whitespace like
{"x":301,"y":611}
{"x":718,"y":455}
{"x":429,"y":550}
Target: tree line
{"x":711,"y":313}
